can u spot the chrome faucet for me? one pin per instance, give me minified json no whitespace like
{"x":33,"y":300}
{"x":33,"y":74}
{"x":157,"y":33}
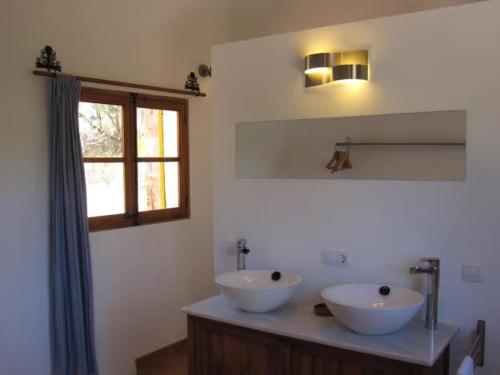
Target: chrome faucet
{"x":431,"y":299}
{"x":241,"y":253}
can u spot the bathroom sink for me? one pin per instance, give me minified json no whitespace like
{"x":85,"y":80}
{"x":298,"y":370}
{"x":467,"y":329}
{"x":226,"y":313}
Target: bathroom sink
{"x":258,"y":290}
{"x":371,"y":309}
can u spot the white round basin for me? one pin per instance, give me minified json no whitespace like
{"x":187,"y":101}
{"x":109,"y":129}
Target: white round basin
{"x":362,"y":307}
{"x":255,"y":290}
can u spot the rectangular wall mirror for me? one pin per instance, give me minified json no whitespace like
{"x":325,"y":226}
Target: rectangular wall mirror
{"x":407,"y":146}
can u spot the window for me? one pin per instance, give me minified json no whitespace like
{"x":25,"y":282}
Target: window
{"x":135,"y":154}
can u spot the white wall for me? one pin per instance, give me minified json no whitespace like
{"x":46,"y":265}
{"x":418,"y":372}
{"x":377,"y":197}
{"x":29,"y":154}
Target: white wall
{"x":251,"y":19}
{"x":433,"y":60}
{"x":142,"y":276}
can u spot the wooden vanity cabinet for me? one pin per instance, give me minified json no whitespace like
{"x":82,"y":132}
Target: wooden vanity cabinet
{"x":222,"y":349}
{"x":309,"y":358}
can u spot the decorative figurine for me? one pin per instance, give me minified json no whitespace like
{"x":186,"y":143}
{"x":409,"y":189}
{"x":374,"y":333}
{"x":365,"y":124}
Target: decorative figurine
{"x":192,"y":83}
{"x":48,"y":60}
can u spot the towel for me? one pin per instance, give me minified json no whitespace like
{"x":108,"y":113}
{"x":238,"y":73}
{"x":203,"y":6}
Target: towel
{"x":467,"y":366}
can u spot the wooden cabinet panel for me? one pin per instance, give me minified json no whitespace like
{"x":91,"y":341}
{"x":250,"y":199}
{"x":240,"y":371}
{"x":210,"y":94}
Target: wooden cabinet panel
{"x":307,"y":363}
{"x":218,"y":349}
{"x":308,"y":358}
{"x":259,"y":358}
{"x":222,"y":349}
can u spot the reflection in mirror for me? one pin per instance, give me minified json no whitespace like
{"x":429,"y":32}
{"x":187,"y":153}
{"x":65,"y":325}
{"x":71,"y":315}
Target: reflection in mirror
{"x":409,"y":146}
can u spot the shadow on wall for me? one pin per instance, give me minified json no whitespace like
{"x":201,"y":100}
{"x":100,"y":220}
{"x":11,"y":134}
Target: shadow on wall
{"x":261,"y":17}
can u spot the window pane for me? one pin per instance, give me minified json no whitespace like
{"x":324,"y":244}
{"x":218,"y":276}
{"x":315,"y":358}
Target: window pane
{"x":101,"y":129}
{"x":172,"y":184}
{"x":105,"y":189}
{"x":157,"y":133}
{"x":158,"y":185}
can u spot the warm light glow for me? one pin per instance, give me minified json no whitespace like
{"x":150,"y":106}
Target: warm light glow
{"x":319,"y":70}
{"x":353,"y":88}
{"x":355,"y":81}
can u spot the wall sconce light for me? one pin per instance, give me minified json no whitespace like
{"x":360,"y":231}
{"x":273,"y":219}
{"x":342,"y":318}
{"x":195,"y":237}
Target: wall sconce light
{"x":322,"y":68}
{"x":318,"y":68}
{"x":350,"y":66}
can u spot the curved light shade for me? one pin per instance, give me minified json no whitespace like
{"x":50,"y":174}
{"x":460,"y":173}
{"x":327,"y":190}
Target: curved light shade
{"x":350,"y":72}
{"x":352,"y":65}
{"x":318,"y":68}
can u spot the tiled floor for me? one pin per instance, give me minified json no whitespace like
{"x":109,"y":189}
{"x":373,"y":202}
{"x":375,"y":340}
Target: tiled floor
{"x":169,"y":361}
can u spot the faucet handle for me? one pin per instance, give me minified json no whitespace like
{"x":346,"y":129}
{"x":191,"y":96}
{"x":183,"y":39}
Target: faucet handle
{"x":433,"y":262}
{"x":242,"y":246}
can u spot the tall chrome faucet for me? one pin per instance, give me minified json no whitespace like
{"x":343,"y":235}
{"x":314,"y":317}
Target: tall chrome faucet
{"x":241,"y":253}
{"x":432,"y":271}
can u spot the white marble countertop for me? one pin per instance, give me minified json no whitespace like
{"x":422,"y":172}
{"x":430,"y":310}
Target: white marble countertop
{"x":412,"y":344}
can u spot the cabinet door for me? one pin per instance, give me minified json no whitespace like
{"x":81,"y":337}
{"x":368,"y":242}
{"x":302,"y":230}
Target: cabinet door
{"x":221,"y":350}
{"x":312,"y":359}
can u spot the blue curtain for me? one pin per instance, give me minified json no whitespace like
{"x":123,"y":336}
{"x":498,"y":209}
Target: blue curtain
{"x":71,"y":307}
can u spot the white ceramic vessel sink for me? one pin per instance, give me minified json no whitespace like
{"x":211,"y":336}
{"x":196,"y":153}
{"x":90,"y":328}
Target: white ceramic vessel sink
{"x":362,"y":307}
{"x":255,"y":290}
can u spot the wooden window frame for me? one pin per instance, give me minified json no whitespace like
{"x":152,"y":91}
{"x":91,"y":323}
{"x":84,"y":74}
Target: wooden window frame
{"x":130,"y":102}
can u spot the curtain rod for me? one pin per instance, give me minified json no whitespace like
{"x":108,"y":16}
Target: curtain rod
{"x":122,"y":84}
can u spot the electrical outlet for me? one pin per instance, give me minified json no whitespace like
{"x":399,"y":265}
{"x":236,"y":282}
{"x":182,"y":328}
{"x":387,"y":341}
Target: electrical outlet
{"x":335,"y":257}
{"x":471,"y":273}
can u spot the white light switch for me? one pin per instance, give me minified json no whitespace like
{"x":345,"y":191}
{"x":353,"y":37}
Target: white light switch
{"x":471,"y":273}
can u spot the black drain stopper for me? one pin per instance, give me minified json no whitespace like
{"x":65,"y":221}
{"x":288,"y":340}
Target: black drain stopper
{"x":276,"y":275}
{"x":384,"y":290}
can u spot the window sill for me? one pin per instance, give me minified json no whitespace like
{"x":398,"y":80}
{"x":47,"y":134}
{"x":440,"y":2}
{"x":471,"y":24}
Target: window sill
{"x":111,"y":222}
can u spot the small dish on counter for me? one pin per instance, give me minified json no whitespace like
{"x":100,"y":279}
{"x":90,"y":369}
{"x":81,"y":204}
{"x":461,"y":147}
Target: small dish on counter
{"x":258,"y":290}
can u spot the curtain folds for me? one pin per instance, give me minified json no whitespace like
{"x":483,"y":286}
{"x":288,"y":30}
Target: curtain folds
{"x":71,"y":306}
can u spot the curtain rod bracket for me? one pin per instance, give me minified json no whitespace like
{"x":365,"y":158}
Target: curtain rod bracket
{"x":100,"y":81}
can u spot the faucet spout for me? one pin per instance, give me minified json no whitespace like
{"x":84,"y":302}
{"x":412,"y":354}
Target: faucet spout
{"x":241,"y":253}
{"x":417,"y":270}
{"x":432,"y":272}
